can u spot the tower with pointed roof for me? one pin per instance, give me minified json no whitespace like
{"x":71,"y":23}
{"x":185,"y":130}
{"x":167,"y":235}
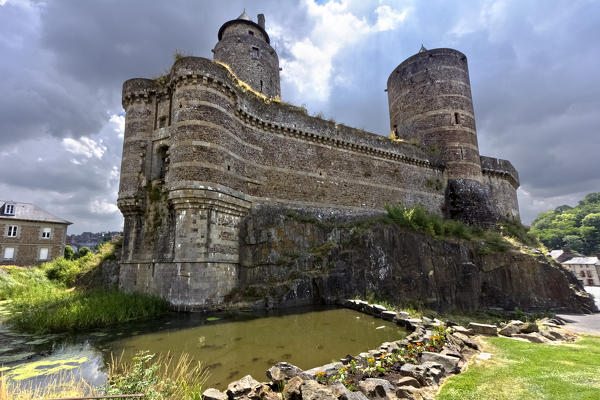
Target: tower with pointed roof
{"x":244,"y":46}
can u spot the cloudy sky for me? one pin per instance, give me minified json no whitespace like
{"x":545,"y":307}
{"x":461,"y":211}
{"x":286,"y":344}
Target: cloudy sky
{"x":534,"y":75}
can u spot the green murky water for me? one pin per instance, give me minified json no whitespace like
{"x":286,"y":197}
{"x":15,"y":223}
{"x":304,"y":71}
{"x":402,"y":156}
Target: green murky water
{"x":230,"y":345}
{"x":232,"y":350}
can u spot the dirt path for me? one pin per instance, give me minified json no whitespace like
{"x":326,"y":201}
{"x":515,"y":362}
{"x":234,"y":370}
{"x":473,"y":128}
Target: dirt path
{"x":583,"y":323}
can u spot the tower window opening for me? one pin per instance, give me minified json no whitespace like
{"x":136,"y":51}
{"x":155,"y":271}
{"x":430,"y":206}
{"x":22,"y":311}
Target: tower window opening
{"x":261,"y":86}
{"x":162,"y":122}
{"x":250,"y":33}
{"x":255,"y":51}
{"x":229,"y":168}
{"x":456,"y":119}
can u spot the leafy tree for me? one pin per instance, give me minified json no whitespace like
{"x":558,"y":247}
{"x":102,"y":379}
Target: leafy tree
{"x":69,"y":252}
{"x":82,"y":252}
{"x":577,"y":228}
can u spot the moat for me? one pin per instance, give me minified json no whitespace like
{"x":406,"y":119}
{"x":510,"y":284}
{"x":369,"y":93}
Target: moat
{"x":231,"y":345}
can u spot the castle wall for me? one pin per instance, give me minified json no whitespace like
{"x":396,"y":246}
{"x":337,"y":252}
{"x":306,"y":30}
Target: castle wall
{"x":188,"y":183}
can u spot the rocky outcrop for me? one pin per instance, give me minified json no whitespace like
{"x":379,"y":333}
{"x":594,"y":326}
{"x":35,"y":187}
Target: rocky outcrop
{"x":288,"y":259}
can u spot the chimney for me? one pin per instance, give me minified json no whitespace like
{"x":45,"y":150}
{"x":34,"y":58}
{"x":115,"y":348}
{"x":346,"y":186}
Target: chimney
{"x":261,"y":20}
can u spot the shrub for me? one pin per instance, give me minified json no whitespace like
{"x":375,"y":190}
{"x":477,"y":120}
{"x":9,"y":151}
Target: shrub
{"x":82,"y":252}
{"x":69,"y":252}
{"x":156,"y":377}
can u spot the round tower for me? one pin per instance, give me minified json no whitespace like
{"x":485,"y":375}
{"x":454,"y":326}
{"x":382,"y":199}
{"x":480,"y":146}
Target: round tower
{"x":245,"y":47}
{"x":430,"y":102}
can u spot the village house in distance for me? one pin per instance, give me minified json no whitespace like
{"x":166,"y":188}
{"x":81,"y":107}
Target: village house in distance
{"x":211,"y":142}
{"x":29,"y":235}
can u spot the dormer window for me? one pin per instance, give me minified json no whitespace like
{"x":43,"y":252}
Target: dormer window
{"x":9,"y":209}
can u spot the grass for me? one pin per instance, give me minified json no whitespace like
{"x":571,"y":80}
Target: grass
{"x":523,"y":370}
{"x":157,"y":377}
{"x":41,"y":299}
{"x":419,"y":219}
{"x":51,"y":310}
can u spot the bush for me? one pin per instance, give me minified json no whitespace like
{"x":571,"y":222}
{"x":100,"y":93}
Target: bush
{"x":61,"y":270}
{"x":82,"y":252}
{"x":69,"y":252}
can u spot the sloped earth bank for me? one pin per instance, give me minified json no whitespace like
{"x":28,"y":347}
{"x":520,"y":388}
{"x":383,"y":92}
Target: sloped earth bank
{"x":292,"y":258}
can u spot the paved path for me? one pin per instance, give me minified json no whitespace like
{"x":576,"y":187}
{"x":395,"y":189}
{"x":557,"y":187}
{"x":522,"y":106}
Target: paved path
{"x":583,"y":323}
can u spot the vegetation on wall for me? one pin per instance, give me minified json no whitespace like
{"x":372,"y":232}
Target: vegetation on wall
{"x":575,"y":228}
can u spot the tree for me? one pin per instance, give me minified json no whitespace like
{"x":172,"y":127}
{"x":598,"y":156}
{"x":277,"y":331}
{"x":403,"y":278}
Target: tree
{"x":82,"y":252}
{"x":576,"y":228}
{"x":69,"y":252}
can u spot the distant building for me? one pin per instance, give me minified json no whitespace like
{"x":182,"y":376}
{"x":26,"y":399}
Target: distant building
{"x":586,"y":269}
{"x":29,"y":235}
{"x":90,"y":239}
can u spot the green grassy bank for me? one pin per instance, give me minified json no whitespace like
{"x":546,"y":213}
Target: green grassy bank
{"x":523,"y":370}
{"x":43,"y":299}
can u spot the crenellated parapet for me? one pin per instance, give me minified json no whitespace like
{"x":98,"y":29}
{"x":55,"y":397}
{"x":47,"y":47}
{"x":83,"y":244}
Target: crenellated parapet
{"x":500,"y":168}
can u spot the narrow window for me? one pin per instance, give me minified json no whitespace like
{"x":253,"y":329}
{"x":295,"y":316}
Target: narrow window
{"x":456,"y":119}
{"x":9,"y":253}
{"x":261,"y":86}
{"x":229,"y":168}
{"x":46,"y":233}
{"x":44,"y":253}
{"x":255,"y":52}
{"x":251,"y":33}
{"x":9,"y":209}
{"x":12,"y":231}
{"x":162,"y":122}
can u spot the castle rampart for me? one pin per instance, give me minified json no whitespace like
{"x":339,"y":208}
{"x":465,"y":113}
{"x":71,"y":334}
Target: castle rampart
{"x":204,"y":148}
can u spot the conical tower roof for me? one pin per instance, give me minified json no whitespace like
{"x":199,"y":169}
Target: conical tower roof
{"x":244,"y":16}
{"x":422,"y":49}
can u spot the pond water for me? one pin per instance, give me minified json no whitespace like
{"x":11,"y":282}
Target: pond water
{"x":231,"y":345}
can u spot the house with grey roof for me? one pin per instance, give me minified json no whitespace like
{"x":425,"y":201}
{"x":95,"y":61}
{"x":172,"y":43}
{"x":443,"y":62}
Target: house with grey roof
{"x":586,"y":269}
{"x":29,"y":235}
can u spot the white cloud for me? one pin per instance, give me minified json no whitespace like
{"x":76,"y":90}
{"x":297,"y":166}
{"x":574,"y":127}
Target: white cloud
{"x":119,"y":124}
{"x":103,"y":207}
{"x":84,"y":146}
{"x":311,"y":69}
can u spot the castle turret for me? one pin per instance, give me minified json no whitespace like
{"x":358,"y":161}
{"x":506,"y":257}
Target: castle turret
{"x":245,"y":47}
{"x":430,"y":101}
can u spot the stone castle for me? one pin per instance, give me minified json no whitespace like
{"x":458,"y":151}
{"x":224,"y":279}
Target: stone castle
{"x":210,"y":143}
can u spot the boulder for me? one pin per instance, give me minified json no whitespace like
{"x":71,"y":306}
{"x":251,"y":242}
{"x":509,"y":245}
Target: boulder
{"x":389,"y":315}
{"x":408,"y":381}
{"x":414,"y":371}
{"x":313,"y":390}
{"x":376,"y":309}
{"x":375,"y":388}
{"x":283,"y":371}
{"x":528,"y":327}
{"x":533,"y":337}
{"x":246,"y":388}
{"x":461,"y":329}
{"x":466,"y":341}
{"x":509,"y":330}
{"x":343,"y":393}
{"x":449,"y":363}
{"x":291,"y":391}
{"x":483,"y":329}
{"x":408,"y":392}
{"x":403,"y":315}
{"x":213,"y":394}
{"x":329,"y":369}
